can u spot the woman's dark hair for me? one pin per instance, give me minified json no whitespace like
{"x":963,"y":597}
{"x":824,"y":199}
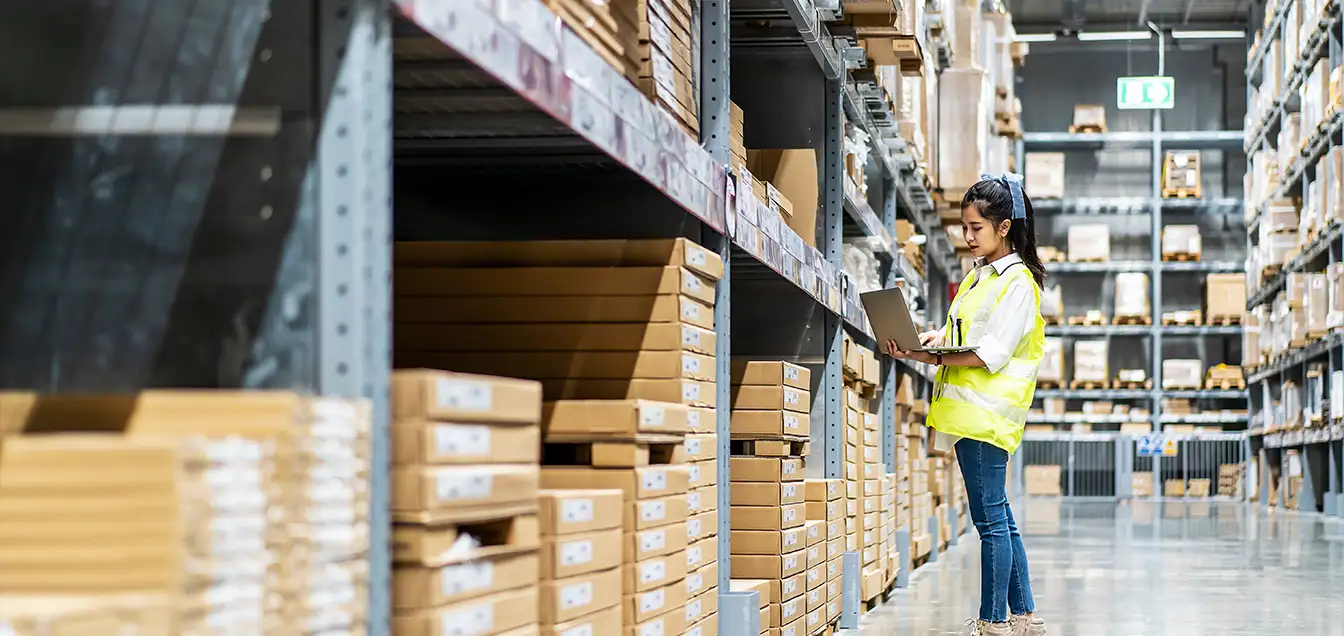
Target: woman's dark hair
{"x":995,"y":202}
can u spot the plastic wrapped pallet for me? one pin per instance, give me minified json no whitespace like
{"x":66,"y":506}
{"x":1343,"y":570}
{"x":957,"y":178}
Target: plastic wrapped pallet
{"x":1182,"y":374}
{"x":1181,"y":172}
{"x":1131,"y":294}
{"x":1281,"y":215}
{"x":1334,"y":282}
{"x":1316,"y":304}
{"x":1309,"y":218}
{"x":1091,"y":361}
{"x":1089,"y":242}
{"x":1278,"y":248}
{"x":1295,"y":288}
{"x":1250,"y":340}
{"x":964,"y":114}
{"x":1052,"y":303}
{"x":1045,"y":175}
{"x":1052,"y":364}
{"x":1332,"y":189}
{"x":1181,"y":240}
{"x":1089,"y":116}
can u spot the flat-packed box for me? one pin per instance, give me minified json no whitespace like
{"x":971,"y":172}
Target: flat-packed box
{"x":701,"y":447}
{"x":646,"y":482}
{"x":541,"y":350}
{"x":596,"y":365}
{"x":689,"y":392}
{"x":1089,"y":242}
{"x":771,"y":398}
{"x":768,"y":542}
{"x":1045,"y":175}
{"x":568,"y":599}
{"x":569,"y":253}
{"x":440,"y":494}
{"x":463,"y":397}
{"x":552,"y":281}
{"x":415,"y":587}
{"x":607,"y":621}
{"x":593,"y":419}
{"x":769,"y":566}
{"x":494,"y":614}
{"x":441,"y":544}
{"x":705,"y":524}
{"x":652,"y":572}
{"x":1091,"y":361}
{"x":1182,"y":374}
{"x":655,"y":542}
{"x":771,"y":373}
{"x":703,"y":473}
{"x":751,"y":424}
{"x":1224,"y":296}
{"x":705,"y":578}
{"x":766,"y":493}
{"x":611,"y":310}
{"x":702,"y":607}
{"x":701,"y":554}
{"x":643,"y":606}
{"x":768,"y":469}
{"x":570,"y":555}
{"x":768,"y":517}
{"x":653,"y":513}
{"x":420,"y":442}
{"x":790,"y":611}
{"x":1181,"y":241}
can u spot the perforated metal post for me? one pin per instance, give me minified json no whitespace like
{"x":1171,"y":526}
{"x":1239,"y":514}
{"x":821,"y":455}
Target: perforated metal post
{"x":1155,"y":334}
{"x":739,"y":613}
{"x":851,"y":594}
{"x":832,"y":232}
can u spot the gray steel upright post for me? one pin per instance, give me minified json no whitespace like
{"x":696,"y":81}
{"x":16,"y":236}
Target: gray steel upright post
{"x":889,"y":373}
{"x":1155,"y":330}
{"x":832,"y":247}
{"x":851,"y":595}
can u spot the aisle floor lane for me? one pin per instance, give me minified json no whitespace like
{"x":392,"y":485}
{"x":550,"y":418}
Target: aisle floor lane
{"x":1147,"y":569}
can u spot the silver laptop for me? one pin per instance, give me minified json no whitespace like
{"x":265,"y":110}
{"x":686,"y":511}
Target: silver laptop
{"x":890,"y":317}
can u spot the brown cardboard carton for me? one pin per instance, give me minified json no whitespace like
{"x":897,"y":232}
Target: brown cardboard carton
{"x":688,"y":392}
{"x":824,"y":489}
{"x":593,"y":419}
{"x":655,"y":513}
{"x":672,"y":622}
{"x":646,"y":482}
{"x":751,"y":424}
{"x":704,"y":524}
{"x":761,"y":566}
{"x":655,"y":542}
{"x":766,"y":493}
{"x":768,"y":469}
{"x":705,"y":578}
{"x":788,"y":611}
{"x":767,"y":542}
{"x":816,"y":532}
{"x":760,"y":586}
{"x":526,"y":342}
{"x":607,"y":621}
{"x":794,"y":173}
{"x":566,"y":512}
{"x":709,"y":625}
{"x":701,"y":420}
{"x":701,"y":447}
{"x":552,"y":281}
{"x":438,"y":545}
{"x":494,"y":614}
{"x":642,"y":606}
{"x":701,"y":499}
{"x":426,"y":587}
{"x":597,"y":365}
{"x":462,"y":397}
{"x":459,"y":493}
{"x":767,"y":398}
{"x":653,"y":573}
{"x":568,"y":599}
{"x":572,"y":253}
{"x":702,"y":553}
{"x":825,"y":510}
{"x":702,"y":606}
{"x":612,"y":310}
{"x":767,"y":517}
{"x":444,"y":443}
{"x":703,"y":473}
{"x":1225,"y":295}
{"x":771,"y":373}
{"x":574,"y":554}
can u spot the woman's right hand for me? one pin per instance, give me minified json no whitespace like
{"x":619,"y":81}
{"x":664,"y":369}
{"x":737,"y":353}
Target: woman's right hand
{"x":931,"y":338}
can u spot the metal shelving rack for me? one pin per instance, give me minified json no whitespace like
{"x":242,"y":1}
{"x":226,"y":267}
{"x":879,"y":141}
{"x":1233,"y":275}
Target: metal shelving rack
{"x":1321,"y":449}
{"x":1109,"y":452}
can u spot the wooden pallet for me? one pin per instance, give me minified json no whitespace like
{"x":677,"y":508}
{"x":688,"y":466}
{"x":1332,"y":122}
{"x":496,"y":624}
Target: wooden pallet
{"x":1181,"y":193}
{"x":1086,"y":128}
{"x":783,"y":447}
{"x":644,"y":450}
{"x":1088,"y":385}
{"x":1087,"y":320}
{"x":1180,"y":257}
{"x":1086,"y":260}
{"x":1051,"y":320}
{"x":1187,"y":320}
{"x":1132,"y":319}
{"x":1313,"y":336}
{"x":1048,"y":384}
{"x":1146,"y":384}
{"x":1270,"y":271}
{"x":1180,"y":387}
{"x":1225,"y":384}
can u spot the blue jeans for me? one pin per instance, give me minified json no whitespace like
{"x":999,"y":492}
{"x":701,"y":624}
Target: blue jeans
{"x":1004,"y":581}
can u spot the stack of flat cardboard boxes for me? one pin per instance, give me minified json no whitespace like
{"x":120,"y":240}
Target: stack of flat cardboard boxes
{"x":141,"y":615}
{"x":656,"y":35}
{"x":464,"y":503}
{"x":638,"y":447}
{"x":581,"y":571}
{"x":826,"y":520}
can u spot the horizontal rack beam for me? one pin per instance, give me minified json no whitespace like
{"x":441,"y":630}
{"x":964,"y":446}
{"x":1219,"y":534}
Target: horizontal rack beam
{"x":1139,"y":394}
{"x":1301,"y":437}
{"x":1142,"y":330}
{"x":1074,"y":267}
{"x":1312,"y":351}
{"x":1310,"y":252}
{"x":1193,"y":140}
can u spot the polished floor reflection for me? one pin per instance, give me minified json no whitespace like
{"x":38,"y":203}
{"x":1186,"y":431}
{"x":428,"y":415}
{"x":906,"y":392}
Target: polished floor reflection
{"x":1145,"y":569}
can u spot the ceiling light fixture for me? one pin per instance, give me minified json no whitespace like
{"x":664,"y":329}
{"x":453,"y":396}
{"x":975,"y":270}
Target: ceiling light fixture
{"x":1109,"y":36}
{"x":1034,"y":37}
{"x":1209,"y":35}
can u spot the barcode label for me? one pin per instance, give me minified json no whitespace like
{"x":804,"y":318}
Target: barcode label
{"x":465,"y":395}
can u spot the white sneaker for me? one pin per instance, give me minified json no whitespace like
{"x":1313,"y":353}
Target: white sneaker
{"x":985,"y":628}
{"x":1023,"y":626}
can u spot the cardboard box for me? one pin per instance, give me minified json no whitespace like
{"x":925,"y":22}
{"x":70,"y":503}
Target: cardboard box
{"x":607,"y":621}
{"x":439,"y":545}
{"x":653,"y":572}
{"x":701,"y":607}
{"x":568,"y":599}
{"x":1182,"y":373}
{"x":1090,"y":115}
{"x":768,"y":517}
{"x":595,"y":419}
{"x":825,"y":510}
{"x":642,"y":606}
{"x":575,"y":554}
{"x":766,"y":493}
{"x":1091,"y":361}
{"x":463,"y":397}
{"x":1089,"y":242}
{"x":415,"y":587}
{"x":771,"y":373}
{"x":816,"y":532}
{"x":494,"y":614}
{"x":541,"y":349}
{"x":655,"y":542}
{"x":703,"y":579}
{"x":769,"y":424}
{"x":614,"y":310}
{"x":1045,"y":175}
{"x":703,"y":473}
{"x":654,"y":513}
{"x":701,"y":499}
{"x":1052,"y":363}
{"x":767,"y":469}
{"x":765,"y":566}
{"x":824,"y":489}
{"x":646,"y":482}
{"x":794,"y":173}
{"x":1131,"y":294}
{"x":552,"y":281}
{"x":760,"y":586}
{"x":568,"y":253}
{"x":598,"y":365}
{"x":701,"y":447}
{"x":455,"y":493}
{"x":1182,"y":240}
{"x":566,"y":512}
{"x":701,"y":554}
{"x":1043,"y":480}
{"x":771,"y":398}
{"x":1224,"y":295}
{"x":791,"y":611}
{"x":688,"y":392}
{"x":767,"y":542}
{"x":705,"y":524}
{"x":444,"y":443}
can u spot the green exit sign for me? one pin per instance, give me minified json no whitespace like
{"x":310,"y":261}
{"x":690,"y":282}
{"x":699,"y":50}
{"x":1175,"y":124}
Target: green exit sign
{"x":1145,"y":92}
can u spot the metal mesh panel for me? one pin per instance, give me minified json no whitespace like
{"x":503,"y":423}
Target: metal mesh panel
{"x":1039,"y":456}
{"x":1205,"y":466}
{"x":1093,"y":462}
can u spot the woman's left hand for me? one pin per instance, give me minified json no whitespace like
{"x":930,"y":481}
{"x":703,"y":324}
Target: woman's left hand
{"x":917,"y":356}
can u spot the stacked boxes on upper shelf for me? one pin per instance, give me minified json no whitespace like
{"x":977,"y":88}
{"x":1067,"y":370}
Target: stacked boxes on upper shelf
{"x":656,"y":36}
{"x":769,"y":542}
{"x":464,"y":503}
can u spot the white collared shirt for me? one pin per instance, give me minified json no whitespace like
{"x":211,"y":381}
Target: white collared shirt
{"x":1011,"y":321}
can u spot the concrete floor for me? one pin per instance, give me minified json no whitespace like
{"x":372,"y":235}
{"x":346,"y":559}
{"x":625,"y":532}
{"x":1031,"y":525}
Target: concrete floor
{"x":1147,"y":569}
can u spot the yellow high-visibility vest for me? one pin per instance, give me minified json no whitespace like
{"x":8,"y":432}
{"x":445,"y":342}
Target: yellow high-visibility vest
{"x":971,"y":402}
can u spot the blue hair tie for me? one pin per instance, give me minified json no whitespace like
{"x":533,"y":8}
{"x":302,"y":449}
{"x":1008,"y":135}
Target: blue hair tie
{"x":1013,"y":182}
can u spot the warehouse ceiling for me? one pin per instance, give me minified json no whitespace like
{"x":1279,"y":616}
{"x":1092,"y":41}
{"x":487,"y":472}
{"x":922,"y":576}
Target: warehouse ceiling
{"x":1079,"y":14}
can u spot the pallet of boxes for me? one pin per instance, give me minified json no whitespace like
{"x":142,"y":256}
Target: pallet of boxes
{"x":864,"y":469}
{"x":136,"y":548}
{"x":771,"y":540}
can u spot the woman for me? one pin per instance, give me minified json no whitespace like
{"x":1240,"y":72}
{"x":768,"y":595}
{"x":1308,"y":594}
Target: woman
{"x":982,"y":396}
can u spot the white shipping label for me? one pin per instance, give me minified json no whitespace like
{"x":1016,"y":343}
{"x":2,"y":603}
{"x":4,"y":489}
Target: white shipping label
{"x":652,"y":415}
{"x":832,"y":549}
{"x":693,"y":501}
{"x":457,"y":580}
{"x":813,"y":553}
{"x":652,"y":601}
{"x":576,"y":510}
{"x":693,"y":419}
{"x":576,"y":552}
{"x":790,"y":585}
{"x":790,"y":373}
{"x":791,"y":422}
{"x":790,"y":562}
{"x":463,"y":484}
{"x":692,"y":528}
{"x":791,"y":630}
{"x":470,"y":621}
{"x":832,"y":569}
{"x":652,"y":510}
{"x":461,"y":439}
{"x":693,"y":610}
{"x":790,"y":514}
{"x":694,"y":470}
{"x":652,"y":540}
{"x":698,"y":630}
{"x":690,"y":336}
{"x":690,"y":311}
{"x":695,"y":255}
{"x":693,"y":444}
{"x":694,"y":583}
{"x":790,"y":539}
{"x":813,"y":532}
{"x":576,"y":595}
{"x":791,"y":396}
{"x":585,"y":629}
{"x":465,"y":395}
{"x":790,"y":467}
{"x":654,"y":480}
{"x":814,"y":596}
{"x":690,"y":391}
{"x":790,"y":608}
{"x":654,"y":628}
{"x":789,"y":491}
{"x":651,"y":571}
{"x":692,"y":555}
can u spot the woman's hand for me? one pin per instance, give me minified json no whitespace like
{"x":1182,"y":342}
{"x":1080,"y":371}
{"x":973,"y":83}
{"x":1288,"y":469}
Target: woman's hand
{"x":918,"y":356}
{"x":931,"y":338}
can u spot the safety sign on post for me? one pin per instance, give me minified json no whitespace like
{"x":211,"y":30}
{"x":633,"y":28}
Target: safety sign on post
{"x":1150,"y":445}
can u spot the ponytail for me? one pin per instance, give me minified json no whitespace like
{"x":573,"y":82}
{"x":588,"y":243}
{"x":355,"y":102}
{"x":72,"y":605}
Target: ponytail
{"x":994,"y":199}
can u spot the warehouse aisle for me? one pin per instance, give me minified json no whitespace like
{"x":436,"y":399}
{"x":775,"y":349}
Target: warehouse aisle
{"x":1186,"y":569}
